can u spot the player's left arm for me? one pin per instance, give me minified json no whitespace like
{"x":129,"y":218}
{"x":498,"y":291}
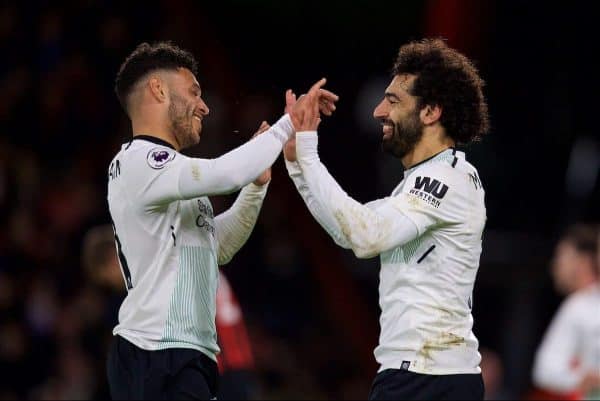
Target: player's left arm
{"x":234,"y":226}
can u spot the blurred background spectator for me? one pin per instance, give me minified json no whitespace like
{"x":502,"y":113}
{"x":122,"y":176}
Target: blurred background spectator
{"x":567,"y":363}
{"x":310,"y":308}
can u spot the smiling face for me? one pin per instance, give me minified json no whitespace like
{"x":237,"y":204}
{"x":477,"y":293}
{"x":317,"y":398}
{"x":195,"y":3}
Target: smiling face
{"x":400,"y":120}
{"x":186,"y":107}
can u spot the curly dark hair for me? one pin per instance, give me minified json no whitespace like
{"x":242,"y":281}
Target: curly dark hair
{"x":446,"y":78}
{"x":149,"y":57}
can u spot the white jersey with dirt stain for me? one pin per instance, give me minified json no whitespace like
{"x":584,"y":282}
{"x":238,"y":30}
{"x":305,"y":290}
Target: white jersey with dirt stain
{"x":428,"y":235}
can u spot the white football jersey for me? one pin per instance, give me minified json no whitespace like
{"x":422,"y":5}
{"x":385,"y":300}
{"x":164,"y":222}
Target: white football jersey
{"x":168,"y":240}
{"x":428,"y":236}
{"x":571,"y":346}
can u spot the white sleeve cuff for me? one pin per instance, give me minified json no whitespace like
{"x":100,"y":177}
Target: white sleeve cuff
{"x":283,"y":128}
{"x":253,"y":189}
{"x":293,"y":168}
{"x":306,"y":145}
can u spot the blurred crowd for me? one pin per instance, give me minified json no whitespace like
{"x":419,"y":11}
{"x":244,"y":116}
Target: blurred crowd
{"x":308,"y":311}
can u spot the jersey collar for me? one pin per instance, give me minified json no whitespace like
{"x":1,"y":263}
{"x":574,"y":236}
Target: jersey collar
{"x":450,"y":153}
{"x":153,"y":139}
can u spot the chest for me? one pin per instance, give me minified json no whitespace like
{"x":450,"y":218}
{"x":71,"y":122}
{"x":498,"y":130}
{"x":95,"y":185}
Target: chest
{"x":196,"y":222}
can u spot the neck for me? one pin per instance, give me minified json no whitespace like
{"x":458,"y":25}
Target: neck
{"x":155,"y":130}
{"x":586,"y":280}
{"x":433,"y":141}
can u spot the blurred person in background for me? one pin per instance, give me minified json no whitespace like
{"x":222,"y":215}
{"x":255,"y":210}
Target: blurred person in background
{"x":428,"y":233}
{"x":169,"y":243}
{"x":572,"y":267}
{"x":567,"y":363}
{"x":101,"y":265}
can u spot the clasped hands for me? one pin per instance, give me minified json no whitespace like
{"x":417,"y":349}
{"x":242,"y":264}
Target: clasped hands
{"x":305,"y":113}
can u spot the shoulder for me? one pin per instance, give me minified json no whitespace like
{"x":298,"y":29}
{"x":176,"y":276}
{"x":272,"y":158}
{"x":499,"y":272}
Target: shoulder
{"x":576,"y":308}
{"x":150,"y":157}
{"x":582,"y":299}
{"x":438,"y":177}
{"x":459,"y":175}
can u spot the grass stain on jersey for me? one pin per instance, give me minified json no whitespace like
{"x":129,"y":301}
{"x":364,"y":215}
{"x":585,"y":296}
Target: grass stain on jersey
{"x":440,"y":343}
{"x":359,"y":237}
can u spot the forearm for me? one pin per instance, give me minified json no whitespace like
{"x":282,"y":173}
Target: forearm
{"x":323,"y":216}
{"x":234,"y":226}
{"x":351,"y":224}
{"x":236,"y":168}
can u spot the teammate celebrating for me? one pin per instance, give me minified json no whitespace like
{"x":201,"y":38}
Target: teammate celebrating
{"x":427,"y":233}
{"x":168,"y":241}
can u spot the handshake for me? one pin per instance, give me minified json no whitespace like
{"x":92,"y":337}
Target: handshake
{"x":305,"y":113}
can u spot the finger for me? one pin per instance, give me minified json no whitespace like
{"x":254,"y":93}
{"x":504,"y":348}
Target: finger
{"x":326,"y":94}
{"x":263,"y":127}
{"x":325,"y":109}
{"x":317,"y":86}
{"x":312,"y":97}
{"x":290,"y":97}
{"x":290,"y":100}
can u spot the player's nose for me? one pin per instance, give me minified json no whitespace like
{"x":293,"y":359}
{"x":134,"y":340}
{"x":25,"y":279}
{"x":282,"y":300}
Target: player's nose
{"x":380,"y":111}
{"x":203,"y":107}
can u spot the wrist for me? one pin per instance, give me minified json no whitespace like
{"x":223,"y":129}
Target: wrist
{"x":284,"y":128}
{"x":306,"y":145}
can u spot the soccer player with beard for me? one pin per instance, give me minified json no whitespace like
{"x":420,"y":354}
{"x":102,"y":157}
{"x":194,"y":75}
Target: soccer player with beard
{"x":427,"y":233}
{"x":168,"y":241}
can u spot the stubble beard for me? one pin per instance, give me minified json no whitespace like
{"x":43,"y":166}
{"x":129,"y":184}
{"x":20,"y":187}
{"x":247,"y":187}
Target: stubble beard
{"x":407,"y":133}
{"x":181,"y":120}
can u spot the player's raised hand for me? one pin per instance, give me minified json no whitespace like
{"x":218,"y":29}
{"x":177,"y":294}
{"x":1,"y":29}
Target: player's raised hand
{"x":326,"y":104}
{"x":305,"y":111}
{"x":266,"y":175}
{"x":327,"y":101}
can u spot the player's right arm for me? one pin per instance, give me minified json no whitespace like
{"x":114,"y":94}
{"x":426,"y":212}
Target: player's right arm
{"x":175,"y":176}
{"x":187,"y":178}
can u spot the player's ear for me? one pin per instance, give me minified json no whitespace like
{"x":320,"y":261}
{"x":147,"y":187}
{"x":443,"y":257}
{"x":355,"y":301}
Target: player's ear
{"x":158,"y":88}
{"x":431,"y":114}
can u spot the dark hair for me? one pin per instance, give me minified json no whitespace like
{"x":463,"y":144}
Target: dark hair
{"x":584,"y":237}
{"x":149,"y":57}
{"x":97,"y":242}
{"x":446,"y":78}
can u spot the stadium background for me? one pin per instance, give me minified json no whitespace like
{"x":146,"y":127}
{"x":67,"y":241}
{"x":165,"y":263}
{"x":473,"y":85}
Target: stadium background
{"x":310,"y":307}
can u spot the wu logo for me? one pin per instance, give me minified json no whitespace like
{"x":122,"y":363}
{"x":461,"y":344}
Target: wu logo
{"x":433,"y":187}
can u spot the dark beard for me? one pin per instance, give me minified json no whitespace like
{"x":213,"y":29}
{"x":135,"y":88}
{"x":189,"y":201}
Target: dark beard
{"x":181,"y":122}
{"x":407,"y":133}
